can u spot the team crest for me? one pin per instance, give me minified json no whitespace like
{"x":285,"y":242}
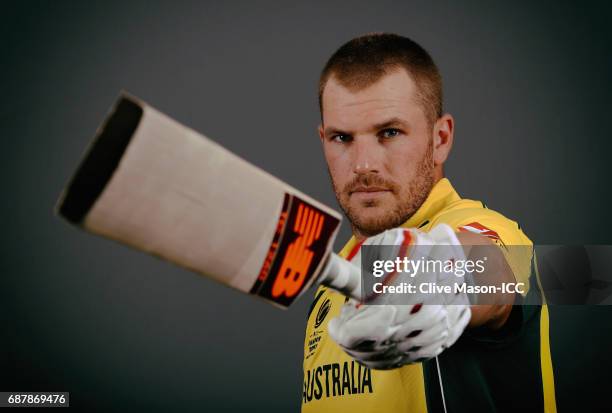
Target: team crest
{"x":322,"y":313}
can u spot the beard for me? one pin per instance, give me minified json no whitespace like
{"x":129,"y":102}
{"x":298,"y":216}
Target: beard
{"x":408,"y":198}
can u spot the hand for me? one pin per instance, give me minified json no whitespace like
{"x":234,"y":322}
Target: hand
{"x":391,"y":335}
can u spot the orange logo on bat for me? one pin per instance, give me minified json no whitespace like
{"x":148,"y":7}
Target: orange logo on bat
{"x":297,"y":260}
{"x":273,"y":247}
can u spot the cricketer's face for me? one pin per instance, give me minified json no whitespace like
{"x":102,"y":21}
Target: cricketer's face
{"x":379,"y":149}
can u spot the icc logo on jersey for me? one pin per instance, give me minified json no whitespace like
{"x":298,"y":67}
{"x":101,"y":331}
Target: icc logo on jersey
{"x":322,"y":313}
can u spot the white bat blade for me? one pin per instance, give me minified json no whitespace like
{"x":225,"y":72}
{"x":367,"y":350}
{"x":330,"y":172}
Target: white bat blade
{"x":151,"y":183}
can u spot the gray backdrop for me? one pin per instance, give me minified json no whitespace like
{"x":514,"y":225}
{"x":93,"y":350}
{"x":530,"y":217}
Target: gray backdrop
{"x":529,"y":88}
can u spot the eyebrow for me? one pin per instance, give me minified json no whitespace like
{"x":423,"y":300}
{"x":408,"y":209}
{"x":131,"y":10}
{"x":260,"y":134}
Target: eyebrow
{"x":335,"y":131}
{"x":393,"y":122}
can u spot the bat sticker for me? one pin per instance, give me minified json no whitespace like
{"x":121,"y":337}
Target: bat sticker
{"x":300,"y":243}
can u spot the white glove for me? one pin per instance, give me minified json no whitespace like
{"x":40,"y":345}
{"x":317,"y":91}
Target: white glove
{"x":391,"y":335}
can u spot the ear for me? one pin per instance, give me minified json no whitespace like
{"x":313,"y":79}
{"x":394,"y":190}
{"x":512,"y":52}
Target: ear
{"x":442,"y":138}
{"x":321,"y":135}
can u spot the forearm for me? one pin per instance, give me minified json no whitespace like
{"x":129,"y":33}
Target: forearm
{"x":496,"y":311}
{"x":492,"y":316}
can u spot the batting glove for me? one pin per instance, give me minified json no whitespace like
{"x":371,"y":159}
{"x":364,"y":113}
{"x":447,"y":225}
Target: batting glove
{"x":389,"y":335}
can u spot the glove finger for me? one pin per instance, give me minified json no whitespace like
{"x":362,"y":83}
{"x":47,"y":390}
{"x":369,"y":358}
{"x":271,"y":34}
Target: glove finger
{"x":368,"y":346}
{"x":387,"y":364}
{"x":457,"y":312}
{"x":429,"y":351}
{"x":391,"y":351}
{"x":458,"y":299}
{"x":418,"y":314}
{"x":455,"y":331}
{"x":366,"y":323}
{"x":432,"y":335}
{"x":332,"y":328}
{"x":411,"y":324}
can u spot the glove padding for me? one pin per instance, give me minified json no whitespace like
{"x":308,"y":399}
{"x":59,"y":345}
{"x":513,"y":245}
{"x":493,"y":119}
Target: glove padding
{"x":392,"y":335}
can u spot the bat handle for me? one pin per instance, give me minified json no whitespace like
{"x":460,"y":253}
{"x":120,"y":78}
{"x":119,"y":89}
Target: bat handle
{"x":342,"y":276}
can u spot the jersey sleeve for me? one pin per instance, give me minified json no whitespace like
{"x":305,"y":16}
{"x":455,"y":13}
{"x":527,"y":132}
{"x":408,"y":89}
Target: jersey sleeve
{"x":505,"y":233}
{"x":518,"y":251}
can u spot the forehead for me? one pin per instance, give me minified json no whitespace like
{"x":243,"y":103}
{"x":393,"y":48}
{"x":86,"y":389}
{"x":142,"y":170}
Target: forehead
{"x":393,"y":95}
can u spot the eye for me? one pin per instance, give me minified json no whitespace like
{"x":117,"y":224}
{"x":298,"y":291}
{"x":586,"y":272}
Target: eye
{"x":389,"y":133}
{"x":341,"y":138}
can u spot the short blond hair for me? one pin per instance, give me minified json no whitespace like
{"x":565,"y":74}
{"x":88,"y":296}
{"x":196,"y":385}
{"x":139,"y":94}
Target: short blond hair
{"x":365,"y":59}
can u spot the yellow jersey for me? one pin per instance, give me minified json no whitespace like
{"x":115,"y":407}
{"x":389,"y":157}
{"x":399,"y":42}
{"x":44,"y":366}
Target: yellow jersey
{"x":333,"y":382}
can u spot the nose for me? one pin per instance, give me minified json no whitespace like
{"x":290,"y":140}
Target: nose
{"x":366,"y":156}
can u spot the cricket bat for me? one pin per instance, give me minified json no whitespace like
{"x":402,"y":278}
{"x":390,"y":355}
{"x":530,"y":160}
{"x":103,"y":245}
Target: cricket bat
{"x":151,"y":183}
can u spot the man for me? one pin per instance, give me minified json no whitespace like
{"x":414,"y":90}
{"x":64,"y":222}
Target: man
{"x":385,"y":140}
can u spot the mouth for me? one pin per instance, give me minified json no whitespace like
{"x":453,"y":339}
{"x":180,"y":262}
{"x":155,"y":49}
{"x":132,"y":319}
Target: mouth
{"x":368,"y":189}
{"x":369,"y":192}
